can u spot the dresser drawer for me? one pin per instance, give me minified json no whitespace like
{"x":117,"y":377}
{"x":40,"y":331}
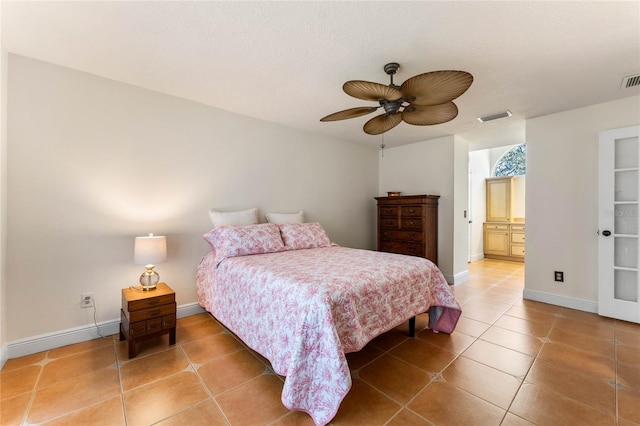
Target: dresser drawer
{"x":413,"y":249}
{"x":412,"y":236}
{"x":389,"y":211}
{"x":414,"y":224}
{"x":411,"y":211}
{"x":389,"y":223}
{"x":154,"y":312}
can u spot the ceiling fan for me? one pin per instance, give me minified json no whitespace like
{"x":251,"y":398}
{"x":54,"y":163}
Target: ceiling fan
{"x":423,"y":100}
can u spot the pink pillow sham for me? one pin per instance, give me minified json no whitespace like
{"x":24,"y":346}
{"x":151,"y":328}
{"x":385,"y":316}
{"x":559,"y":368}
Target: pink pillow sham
{"x":231,"y":241}
{"x":298,"y":236}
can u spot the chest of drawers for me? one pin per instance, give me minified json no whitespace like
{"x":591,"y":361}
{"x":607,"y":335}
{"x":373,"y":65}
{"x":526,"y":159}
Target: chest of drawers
{"x":408,"y":224}
{"x":146,"y":314}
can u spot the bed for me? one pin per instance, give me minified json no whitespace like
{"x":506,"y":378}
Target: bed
{"x":303,"y":302}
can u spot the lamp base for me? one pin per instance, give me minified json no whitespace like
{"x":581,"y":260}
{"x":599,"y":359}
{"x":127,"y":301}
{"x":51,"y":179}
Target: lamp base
{"x":149,"y":279}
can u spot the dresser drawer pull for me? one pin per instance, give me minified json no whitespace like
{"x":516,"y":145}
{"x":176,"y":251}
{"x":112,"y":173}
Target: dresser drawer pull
{"x":412,"y":223}
{"x":155,"y":313}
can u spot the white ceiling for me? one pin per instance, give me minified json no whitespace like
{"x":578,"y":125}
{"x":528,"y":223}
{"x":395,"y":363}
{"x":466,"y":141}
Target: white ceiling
{"x":285,"y":62}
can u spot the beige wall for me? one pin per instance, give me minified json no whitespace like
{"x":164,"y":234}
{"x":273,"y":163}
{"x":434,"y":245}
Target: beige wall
{"x":435,"y":167}
{"x":94,"y":163}
{"x":3,"y":201}
{"x":562,"y":200}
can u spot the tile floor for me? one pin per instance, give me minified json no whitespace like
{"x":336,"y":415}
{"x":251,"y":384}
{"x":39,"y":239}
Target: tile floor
{"x":509,"y":362}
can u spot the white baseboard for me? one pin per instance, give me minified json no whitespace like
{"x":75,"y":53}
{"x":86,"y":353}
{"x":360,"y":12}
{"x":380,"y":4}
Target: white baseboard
{"x":476,"y":257}
{"x":57,"y":339}
{"x":3,"y":355}
{"x":457,"y":278}
{"x":559,"y":300}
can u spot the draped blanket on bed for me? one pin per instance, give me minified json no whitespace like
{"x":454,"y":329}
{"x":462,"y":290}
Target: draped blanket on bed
{"x":304,"y":309}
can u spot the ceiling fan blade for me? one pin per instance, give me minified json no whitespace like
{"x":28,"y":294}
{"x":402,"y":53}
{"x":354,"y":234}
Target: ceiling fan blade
{"x":369,"y":91}
{"x":382,"y":123}
{"x":427,"y":115}
{"x":436,"y":87}
{"x":349,"y":113}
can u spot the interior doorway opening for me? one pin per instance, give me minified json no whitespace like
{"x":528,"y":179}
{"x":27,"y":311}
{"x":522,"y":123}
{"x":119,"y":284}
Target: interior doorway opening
{"x":491,"y":235}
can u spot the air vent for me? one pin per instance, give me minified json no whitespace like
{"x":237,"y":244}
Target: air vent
{"x":630,"y":81}
{"x":494,"y":116}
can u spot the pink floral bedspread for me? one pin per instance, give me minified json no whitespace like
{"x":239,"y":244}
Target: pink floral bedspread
{"x":304,"y":309}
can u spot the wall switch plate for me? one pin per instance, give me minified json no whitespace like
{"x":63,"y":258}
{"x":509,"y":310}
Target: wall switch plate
{"x":559,"y":276}
{"x":86,"y":300}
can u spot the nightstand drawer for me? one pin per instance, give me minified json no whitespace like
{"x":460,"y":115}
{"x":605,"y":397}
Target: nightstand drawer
{"x":136,"y":305}
{"x":168,"y":321}
{"x":154,"y":324}
{"x":146,"y":314}
{"x":138,"y":329}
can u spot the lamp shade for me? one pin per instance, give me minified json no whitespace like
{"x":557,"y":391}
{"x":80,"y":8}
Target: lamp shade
{"x":150,"y":250}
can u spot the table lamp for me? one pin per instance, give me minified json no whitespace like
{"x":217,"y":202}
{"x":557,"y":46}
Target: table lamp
{"x":148,"y":251}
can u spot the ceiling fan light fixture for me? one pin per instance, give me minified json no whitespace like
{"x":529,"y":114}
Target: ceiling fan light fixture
{"x":423,"y":100}
{"x":497,"y":116}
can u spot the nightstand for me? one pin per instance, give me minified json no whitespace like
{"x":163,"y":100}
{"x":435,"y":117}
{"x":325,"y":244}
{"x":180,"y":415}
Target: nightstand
{"x":146,"y":314}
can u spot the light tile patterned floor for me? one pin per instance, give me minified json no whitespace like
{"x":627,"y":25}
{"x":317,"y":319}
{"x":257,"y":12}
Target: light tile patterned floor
{"x":509,"y":362}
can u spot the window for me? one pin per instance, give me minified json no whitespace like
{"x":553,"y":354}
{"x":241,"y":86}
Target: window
{"x":512,"y":162}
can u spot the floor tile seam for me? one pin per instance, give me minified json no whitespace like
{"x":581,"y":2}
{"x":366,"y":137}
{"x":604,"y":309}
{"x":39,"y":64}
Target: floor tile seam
{"x":561,"y":395}
{"x":156,"y":380}
{"x":428,"y":373}
{"x":581,"y":350}
{"x":195,"y":367}
{"x":208,"y":360}
{"x":226,"y":391}
{"x":520,"y":379}
{"x":77,"y":410}
{"x":433,"y":376}
{"x":400,"y":403}
{"x":377,"y":357}
{"x":468,"y":392}
{"x":121,"y":386}
{"x":393,"y":416}
{"x":33,"y":394}
{"x":51,"y":359}
{"x":536,"y":358}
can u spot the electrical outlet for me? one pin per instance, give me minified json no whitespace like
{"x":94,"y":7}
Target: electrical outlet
{"x":86,"y":300}
{"x":559,"y":276}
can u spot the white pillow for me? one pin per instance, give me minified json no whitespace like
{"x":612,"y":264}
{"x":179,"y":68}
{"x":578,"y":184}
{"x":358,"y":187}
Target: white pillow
{"x":285,"y":217}
{"x":240,"y":217}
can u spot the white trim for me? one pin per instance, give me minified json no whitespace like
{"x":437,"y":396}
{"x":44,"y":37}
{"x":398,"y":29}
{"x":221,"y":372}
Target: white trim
{"x":3,"y":355}
{"x":477,"y":256}
{"x":457,"y":278}
{"x":558,"y":300}
{"x":57,"y":339}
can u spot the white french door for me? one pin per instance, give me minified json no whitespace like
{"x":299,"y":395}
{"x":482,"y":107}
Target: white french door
{"x":619,"y":223}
